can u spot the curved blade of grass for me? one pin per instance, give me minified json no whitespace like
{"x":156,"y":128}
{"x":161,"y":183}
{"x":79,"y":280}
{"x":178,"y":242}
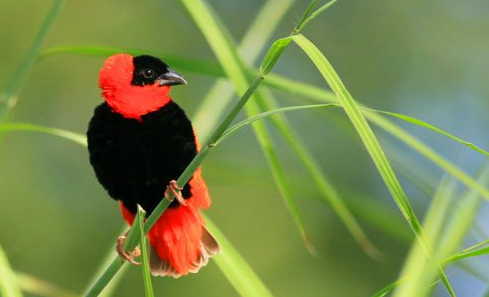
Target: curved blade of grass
{"x":370,"y":142}
{"x":426,"y":125}
{"x":259,"y":33}
{"x":306,"y":13}
{"x":386,"y":290}
{"x":235,"y":268}
{"x":8,"y":97}
{"x":473,"y":251}
{"x":417,"y":271}
{"x":266,"y":114}
{"x":328,"y":191}
{"x":112,"y":285}
{"x":8,"y":282}
{"x":427,"y":152}
{"x":38,"y":287}
{"x":75,"y":137}
{"x":182,"y":63}
{"x":148,"y":287}
{"x":273,"y":55}
{"x":310,"y":15}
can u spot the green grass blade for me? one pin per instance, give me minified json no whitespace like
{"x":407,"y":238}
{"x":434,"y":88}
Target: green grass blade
{"x":471,"y":254}
{"x":378,"y":215}
{"x":273,"y":54}
{"x":417,"y":271}
{"x":148,"y":287}
{"x":112,"y":285}
{"x":427,"y":152}
{"x":235,"y":268}
{"x":9,"y":95}
{"x":426,"y":125}
{"x":267,"y":114}
{"x":306,"y":14}
{"x":370,"y":142}
{"x":473,"y":251}
{"x":360,"y":124}
{"x":38,"y":287}
{"x":8,"y":283}
{"x":254,"y":42}
{"x":325,"y":187}
{"x":385,"y":290}
{"x":310,"y":15}
{"x":259,"y":33}
{"x":182,"y":63}
{"x":75,"y":137}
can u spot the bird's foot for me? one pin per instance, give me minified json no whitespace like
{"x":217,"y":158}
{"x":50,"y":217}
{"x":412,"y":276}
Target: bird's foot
{"x":127,"y":255}
{"x":176,"y":190}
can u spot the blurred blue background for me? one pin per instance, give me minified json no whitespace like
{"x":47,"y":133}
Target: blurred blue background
{"x":428,"y":59}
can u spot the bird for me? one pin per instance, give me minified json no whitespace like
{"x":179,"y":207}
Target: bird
{"x":139,"y":142}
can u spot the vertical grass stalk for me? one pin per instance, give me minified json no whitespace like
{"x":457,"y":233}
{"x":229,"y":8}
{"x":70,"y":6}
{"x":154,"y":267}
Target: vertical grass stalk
{"x":8,"y":282}
{"x":148,"y":287}
{"x":8,"y":97}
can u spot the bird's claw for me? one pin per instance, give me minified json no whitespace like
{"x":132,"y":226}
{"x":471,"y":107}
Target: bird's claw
{"x":176,"y":190}
{"x":127,"y":255}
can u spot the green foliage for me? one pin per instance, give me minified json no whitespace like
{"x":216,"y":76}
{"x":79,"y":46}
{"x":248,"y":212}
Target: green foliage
{"x":148,"y":287}
{"x":370,"y":141}
{"x":8,"y":283}
{"x":8,"y":97}
{"x":438,"y":238}
{"x":235,"y":268}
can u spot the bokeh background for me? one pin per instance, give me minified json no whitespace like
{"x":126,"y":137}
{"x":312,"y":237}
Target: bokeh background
{"x":428,"y":59}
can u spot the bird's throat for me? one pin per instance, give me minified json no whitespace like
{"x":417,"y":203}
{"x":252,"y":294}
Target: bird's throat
{"x":135,"y":101}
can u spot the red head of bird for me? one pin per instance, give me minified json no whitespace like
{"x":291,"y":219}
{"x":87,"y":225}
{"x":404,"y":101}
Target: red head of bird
{"x":135,"y":86}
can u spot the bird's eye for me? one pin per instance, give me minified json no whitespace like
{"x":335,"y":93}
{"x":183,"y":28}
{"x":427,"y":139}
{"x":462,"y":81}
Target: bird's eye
{"x":148,"y":73}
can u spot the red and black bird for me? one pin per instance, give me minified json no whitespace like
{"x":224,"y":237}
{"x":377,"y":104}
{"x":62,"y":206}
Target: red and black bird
{"x":139,"y":142}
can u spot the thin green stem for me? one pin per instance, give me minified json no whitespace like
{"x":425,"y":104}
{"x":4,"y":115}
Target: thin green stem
{"x":9,"y":95}
{"x":8,"y":283}
{"x":307,"y":18}
{"x":148,"y":287}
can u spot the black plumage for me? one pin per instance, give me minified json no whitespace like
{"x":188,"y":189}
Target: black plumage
{"x":135,"y":160}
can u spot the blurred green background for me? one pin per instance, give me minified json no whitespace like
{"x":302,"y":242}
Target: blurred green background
{"x":428,"y":59}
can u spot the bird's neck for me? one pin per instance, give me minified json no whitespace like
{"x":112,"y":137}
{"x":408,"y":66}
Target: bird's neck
{"x":134,"y":101}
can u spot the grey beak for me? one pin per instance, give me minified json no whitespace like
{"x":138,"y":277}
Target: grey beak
{"x":171,"y":78}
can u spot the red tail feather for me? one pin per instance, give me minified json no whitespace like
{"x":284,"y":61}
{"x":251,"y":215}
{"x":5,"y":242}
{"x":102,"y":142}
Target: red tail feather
{"x":179,"y":240}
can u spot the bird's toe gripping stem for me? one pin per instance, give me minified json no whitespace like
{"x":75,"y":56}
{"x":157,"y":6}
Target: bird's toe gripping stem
{"x":176,"y":190}
{"x":127,"y":255}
